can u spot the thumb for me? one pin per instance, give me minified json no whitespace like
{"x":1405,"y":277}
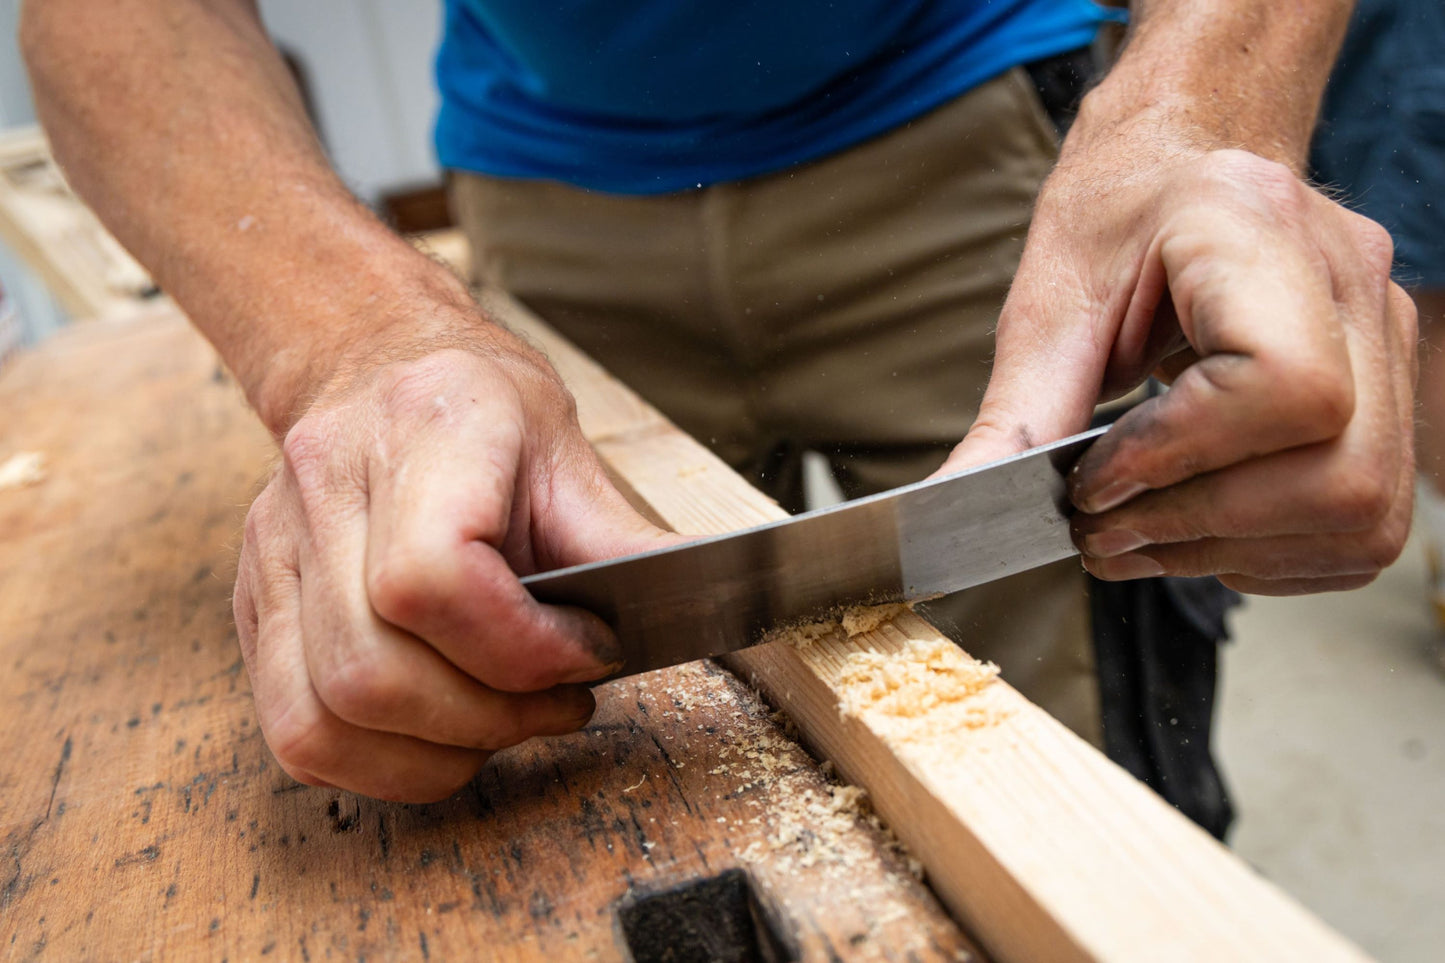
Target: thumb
{"x":1047,"y":372}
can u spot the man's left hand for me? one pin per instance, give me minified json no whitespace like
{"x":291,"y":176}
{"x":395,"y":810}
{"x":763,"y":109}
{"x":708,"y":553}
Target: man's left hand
{"x":1281,"y":457}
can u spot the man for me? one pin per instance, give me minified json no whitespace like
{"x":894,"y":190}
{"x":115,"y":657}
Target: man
{"x":430,"y":456}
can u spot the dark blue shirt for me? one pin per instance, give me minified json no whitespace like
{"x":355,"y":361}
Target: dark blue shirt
{"x":652,"y":96}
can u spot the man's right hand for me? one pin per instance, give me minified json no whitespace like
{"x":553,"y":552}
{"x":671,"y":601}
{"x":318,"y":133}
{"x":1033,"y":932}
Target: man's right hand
{"x":390,"y":644}
{"x":388,"y":639}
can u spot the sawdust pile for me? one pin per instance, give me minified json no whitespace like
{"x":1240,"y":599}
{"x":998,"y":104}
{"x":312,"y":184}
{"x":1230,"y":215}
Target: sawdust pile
{"x":926,"y":674}
{"x":807,"y":825}
{"x":927,"y":688}
{"x":923,"y":690}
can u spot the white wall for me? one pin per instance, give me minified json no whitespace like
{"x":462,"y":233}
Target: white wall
{"x":370,"y":68}
{"x":14,"y":90}
{"x":36,"y":311}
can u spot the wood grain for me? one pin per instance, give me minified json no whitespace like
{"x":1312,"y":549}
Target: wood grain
{"x":142,"y":817}
{"x":1043,"y":848}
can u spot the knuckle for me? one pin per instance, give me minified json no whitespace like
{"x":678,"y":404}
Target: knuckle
{"x":301,"y":743}
{"x":362,"y":688}
{"x":260,"y":518}
{"x":1386,"y":544}
{"x":401,"y":589}
{"x":421,"y":387}
{"x":1313,"y":396}
{"x":1266,"y":181}
{"x":1375,"y":247}
{"x":306,"y":449}
{"x":248,"y":620}
{"x":1406,"y":317}
{"x":1360,"y":497}
{"x":327,"y":471}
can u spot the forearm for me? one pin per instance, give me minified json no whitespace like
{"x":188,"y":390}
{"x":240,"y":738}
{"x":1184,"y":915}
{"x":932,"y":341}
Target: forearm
{"x":1237,"y":73}
{"x":179,"y":124}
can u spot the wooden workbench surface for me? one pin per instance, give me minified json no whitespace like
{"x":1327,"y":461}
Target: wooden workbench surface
{"x":143,"y":817}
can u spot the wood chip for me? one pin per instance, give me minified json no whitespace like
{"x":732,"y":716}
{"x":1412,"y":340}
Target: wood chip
{"x":22,"y":469}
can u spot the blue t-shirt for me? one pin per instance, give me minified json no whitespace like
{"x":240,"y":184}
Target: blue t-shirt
{"x":653,"y":96}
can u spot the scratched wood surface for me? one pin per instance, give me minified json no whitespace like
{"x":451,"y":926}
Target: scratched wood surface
{"x":142,"y":817}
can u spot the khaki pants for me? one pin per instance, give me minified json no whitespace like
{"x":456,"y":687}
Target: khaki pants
{"x":844,"y":306}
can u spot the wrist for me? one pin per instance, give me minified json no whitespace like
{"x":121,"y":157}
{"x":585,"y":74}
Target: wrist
{"x":1239,"y":74}
{"x":401,"y":308}
{"x":1167,"y":120}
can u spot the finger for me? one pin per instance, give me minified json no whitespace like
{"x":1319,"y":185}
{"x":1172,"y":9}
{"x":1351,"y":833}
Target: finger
{"x":1275,"y":557}
{"x":1316,"y":489}
{"x":243,"y":604}
{"x":312,"y":744}
{"x":1048,"y":361}
{"x":1381,"y":322}
{"x":1155,"y":565}
{"x":434,"y":565}
{"x":374,"y":676}
{"x":1171,"y":366}
{"x":1348,"y":484}
{"x":448,"y":531}
{"x":1281,"y":557}
{"x":1270,"y":340}
{"x":1302,"y":586}
{"x":1271,"y":557}
{"x":377,"y":677}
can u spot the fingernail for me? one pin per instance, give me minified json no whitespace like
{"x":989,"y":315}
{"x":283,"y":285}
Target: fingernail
{"x":1110,"y":496}
{"x":1116,"y":541}
{"x":593,"y":673}
{"x":578,"y":706}
{"x":599,"y":642}
{"x":1126,"y":567}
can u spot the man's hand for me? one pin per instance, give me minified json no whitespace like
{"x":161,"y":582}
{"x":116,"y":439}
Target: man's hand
{"x":1176,"y":233}
{"x":1281,"y":457}
{"x":389,"y":642}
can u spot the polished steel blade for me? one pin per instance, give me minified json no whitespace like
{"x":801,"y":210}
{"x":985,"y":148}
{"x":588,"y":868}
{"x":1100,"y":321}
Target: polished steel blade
{"x":722,"y":593}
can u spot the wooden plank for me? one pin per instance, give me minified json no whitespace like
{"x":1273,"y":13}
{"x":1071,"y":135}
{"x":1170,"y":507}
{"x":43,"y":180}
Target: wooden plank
{"x":57,"y":236}
{"x":142,"y":816}
{"x":1043,"y":848}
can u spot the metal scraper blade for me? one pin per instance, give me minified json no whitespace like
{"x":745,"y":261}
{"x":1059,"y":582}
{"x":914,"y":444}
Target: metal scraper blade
{"x":723,"y":593}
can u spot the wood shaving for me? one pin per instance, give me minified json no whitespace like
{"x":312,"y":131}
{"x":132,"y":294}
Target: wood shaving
{"x":852,"y":621}
{"x":858,"y":619}
{"x":926,"y":687}
{"x":22,"y":469}
{"x":802,"y":634}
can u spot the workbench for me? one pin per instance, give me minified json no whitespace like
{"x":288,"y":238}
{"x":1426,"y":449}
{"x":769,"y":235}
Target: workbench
{"x":144,"y":817}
